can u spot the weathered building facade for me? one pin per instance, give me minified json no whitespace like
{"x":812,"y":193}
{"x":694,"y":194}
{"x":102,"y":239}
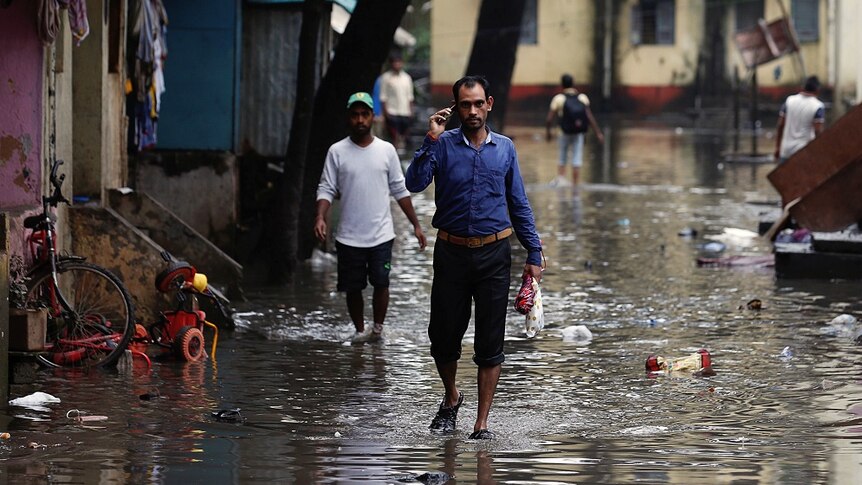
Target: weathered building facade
{"x":645,"y":56}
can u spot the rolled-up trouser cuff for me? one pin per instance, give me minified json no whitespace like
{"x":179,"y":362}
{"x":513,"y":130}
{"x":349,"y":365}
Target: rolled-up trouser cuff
{"x":444,"y":357}
{"x":495,"y":360}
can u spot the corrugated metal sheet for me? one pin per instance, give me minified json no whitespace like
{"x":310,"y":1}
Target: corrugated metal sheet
{"x":270,"y":53}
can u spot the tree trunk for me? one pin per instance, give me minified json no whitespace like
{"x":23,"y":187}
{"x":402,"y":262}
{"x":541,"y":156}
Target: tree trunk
{"x":495,"y":50}
{"x":283,"y":264}
{"x":358,"y":59}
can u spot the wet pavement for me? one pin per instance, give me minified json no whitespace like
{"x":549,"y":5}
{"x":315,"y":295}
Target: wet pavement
{"x":785,"y":405}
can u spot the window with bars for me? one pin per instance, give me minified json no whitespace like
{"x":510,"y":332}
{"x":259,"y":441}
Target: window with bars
{"x":748,"y":12}
{"x":529,"y":23}
{"x":805,"y":15}
{"x":653,"y":22}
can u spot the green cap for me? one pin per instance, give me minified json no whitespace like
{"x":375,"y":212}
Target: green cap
{"x":361,"y":97}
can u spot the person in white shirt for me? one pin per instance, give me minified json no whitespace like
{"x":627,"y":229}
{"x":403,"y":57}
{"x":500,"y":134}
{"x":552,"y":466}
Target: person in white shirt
{"x":363,"y":171}
{"x":572,"y":110}
{"x":396,"y":98}
{"x":800,"y":120}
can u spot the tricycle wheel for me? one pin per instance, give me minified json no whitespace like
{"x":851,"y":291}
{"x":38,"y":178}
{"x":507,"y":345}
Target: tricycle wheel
{"x":176,"y":272}
{"x":189,"y":344}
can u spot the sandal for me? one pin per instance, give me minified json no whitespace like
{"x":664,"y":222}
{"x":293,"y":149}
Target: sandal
{"x":482,"y":434}
{"x":444,"y":421}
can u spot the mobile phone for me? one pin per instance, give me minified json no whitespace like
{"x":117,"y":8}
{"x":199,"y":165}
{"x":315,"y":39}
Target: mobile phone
{"x":451,"y":112}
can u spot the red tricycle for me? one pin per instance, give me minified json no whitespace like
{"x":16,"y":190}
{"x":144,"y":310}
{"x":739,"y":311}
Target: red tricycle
{"x":180,"y":331}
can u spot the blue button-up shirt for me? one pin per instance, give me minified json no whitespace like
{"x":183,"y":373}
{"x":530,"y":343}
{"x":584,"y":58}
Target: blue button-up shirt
{"x":477,"y":191}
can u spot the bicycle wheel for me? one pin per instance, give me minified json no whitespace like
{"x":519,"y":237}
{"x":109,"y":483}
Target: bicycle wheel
{"x":96,"y":327}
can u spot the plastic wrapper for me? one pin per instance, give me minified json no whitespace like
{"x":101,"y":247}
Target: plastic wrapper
{"x":526,"y":295}
{"x":535,"y":321}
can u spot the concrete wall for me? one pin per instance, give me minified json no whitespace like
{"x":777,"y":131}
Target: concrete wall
{"x":848,"y":45}
{"x":21,"y":107}
{"x":200,"y":187}
{"x":172,"y":233}
{"x":99,"y":99}
{"x":647,"y":77}
{"x":564,"y":44}
{"x":654,"y":75}
{"x":36,"y":126}
{"x":106,"y":239}
{"x":650,"y":75}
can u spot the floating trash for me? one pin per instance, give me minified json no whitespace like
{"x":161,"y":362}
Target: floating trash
{"x":228,"y":415}
{"x":35,"y":401}
{"x":428,"y":478}
{"x":843,"y":320}
{"x":577,"y":333}
{"x":687,"y":232}
{"x":699,"y":364}
{"x":713,"y":247}
{"x":754,"y":304}
{"x":84,"y":417}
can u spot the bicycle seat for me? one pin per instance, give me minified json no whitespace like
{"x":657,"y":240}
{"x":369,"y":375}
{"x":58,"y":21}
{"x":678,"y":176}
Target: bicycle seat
{"x":34,"y":222}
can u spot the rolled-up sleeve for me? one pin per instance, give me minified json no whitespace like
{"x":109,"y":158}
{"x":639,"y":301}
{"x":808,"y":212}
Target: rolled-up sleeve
{"x":328,"y":187}
{"x":396,"y":177}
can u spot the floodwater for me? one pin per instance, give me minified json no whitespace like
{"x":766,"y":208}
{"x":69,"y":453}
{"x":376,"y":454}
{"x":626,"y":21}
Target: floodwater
{"x":785,"y":405}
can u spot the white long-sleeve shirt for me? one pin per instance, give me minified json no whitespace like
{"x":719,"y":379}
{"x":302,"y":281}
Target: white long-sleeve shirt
{"x":363,"y":178}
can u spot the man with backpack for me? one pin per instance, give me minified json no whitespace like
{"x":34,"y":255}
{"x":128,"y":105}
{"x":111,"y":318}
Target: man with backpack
{"x":572,"y":110}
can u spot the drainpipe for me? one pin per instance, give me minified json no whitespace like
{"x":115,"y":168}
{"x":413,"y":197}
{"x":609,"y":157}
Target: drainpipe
{"x":832,"y":43}
{"x":5,"y":371}
{"x":858,"y":41}
{"x":607,"y":48}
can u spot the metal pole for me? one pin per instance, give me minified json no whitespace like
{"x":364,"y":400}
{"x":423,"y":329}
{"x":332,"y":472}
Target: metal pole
{"x":735,"y":109}
{"x":753,"y":113}
{"x":607,"y":46}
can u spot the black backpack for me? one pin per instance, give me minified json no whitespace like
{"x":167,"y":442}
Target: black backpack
{"x":574,"y":119}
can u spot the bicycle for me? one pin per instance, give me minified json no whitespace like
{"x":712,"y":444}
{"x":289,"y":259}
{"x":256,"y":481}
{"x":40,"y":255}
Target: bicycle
{"x":90,"y":314}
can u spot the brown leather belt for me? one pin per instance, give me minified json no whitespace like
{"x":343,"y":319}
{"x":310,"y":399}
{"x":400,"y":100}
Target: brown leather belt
{"x":475,"y":241}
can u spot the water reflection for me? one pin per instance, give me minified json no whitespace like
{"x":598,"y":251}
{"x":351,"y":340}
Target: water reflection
{"x":319,"y":411}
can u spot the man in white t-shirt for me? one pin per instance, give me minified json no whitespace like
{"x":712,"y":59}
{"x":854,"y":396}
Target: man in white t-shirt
{"x":396,"y":98}
{"x":363,"y":171}
{"x":800,"y":120}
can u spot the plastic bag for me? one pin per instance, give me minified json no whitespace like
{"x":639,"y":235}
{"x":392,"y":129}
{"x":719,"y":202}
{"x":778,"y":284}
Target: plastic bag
{"x":526,"y":295}
{"x":535,"y":321}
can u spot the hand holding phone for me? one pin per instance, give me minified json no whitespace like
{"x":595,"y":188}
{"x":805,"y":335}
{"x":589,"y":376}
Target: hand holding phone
{"x":451,"y":112}
{"x":437,"y":121}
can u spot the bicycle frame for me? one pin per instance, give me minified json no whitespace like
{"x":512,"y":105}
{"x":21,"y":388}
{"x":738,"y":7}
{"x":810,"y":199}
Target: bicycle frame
{"x":43,"y":235}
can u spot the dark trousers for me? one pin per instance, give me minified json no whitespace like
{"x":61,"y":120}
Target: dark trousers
{"x":462,"y":276}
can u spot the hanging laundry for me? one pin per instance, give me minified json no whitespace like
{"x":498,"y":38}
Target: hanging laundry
{"x":49,"y":19}
{"x":148,"y":50}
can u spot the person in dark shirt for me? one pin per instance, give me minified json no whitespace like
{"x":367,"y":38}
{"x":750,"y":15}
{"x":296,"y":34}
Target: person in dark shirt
{"x":480,"y":198}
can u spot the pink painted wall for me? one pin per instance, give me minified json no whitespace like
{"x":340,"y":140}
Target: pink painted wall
{"x":20,"y":107}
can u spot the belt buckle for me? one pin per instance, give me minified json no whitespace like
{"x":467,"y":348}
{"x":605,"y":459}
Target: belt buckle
{"x":474,"y":242}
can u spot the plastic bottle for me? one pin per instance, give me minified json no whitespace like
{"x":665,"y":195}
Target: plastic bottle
{"x":698,"y":362}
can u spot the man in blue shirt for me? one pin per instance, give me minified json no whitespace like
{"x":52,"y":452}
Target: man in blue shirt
{"x":480,"y":197}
